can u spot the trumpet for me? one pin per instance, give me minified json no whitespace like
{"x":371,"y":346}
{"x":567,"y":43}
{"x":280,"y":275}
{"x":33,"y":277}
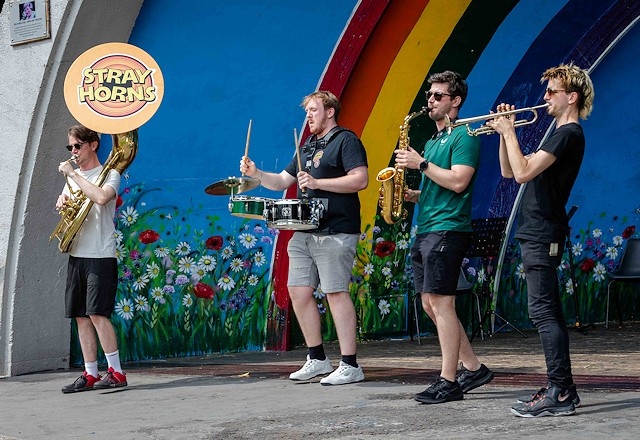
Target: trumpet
{"x":483,"y":129}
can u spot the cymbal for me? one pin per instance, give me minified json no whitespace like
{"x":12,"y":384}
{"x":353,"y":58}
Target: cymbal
{"x":235,"y":185}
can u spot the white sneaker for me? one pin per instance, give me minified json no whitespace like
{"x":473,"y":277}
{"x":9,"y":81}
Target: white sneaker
{"x":344,"y":374}
{"x":311,"y":369}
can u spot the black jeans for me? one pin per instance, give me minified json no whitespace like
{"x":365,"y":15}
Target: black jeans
{"x":545,"y":308}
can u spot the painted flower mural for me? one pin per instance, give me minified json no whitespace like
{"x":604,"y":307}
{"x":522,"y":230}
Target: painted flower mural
{"x":595,"y":251}
{"x":185,"y":291}
{"x":382,"y":279}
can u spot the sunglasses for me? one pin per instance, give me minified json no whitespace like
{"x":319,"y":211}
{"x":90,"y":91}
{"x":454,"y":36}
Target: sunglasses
{"x":551,"y":91}
{"x":77,"y":145}
{"x":436,"y":95}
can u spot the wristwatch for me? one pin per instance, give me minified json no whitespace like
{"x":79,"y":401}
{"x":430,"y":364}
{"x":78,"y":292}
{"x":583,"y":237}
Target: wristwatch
{"x":423,"y":166}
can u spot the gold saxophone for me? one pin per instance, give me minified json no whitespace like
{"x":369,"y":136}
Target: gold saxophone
{"x":75,"y":210}
{"x":393,"y":186}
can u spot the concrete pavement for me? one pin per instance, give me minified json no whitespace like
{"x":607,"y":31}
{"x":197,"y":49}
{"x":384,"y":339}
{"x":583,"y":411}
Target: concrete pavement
{"x":248,"y":395}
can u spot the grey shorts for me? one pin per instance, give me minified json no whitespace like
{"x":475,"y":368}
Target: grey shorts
{"x":325,"y":261}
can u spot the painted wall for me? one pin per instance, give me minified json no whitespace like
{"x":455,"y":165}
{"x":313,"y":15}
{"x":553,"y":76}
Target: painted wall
{"x":196,"y":279}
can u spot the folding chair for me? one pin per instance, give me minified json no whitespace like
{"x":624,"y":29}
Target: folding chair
{"x":629,"y":271}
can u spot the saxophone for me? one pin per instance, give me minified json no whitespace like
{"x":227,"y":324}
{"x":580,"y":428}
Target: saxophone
{"x":75,"y":210}
{"x":392,"y":179}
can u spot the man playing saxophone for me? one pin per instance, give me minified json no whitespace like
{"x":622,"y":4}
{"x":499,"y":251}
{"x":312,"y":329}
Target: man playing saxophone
{"x":448,"y":166}
{"x":92,"y":271}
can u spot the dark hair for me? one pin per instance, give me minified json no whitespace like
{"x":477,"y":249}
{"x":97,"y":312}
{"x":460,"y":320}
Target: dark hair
{"x":84,"y":134}
{"x":457,"y":85}
{"x":329,"y":100}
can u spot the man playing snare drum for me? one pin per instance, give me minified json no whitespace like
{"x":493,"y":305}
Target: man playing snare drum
{"x":334,"y":169}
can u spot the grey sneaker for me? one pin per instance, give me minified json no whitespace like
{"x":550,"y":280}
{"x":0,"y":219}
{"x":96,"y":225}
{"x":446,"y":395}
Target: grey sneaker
{"x":552,"y":402}
{"x":573,"y":395}
{"x":344,"y":374}
{"x":311,"y":369}
{"x":85,"y":382}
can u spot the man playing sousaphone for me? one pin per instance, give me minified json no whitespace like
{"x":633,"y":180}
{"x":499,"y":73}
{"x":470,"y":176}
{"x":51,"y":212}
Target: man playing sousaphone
{"x":119,"y":102}
{"x":334,"y":167}
{"x":92,"y":273}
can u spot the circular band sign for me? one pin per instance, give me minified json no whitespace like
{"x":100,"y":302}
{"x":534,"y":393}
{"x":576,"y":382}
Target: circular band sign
{"x":113,"y":88}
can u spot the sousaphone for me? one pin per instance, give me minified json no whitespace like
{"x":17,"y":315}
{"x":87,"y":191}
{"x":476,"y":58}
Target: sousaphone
{"x":113,"y":88}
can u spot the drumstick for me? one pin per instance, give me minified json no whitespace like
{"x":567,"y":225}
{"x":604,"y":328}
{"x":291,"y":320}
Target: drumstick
{"x":246,"y":148}
{"x":296,"y":142}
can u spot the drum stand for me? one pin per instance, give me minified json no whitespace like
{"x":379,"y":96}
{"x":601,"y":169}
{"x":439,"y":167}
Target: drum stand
{"x":487,"y":237}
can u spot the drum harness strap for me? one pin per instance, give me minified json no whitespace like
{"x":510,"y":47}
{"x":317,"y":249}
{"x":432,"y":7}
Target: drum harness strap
{"x":309,"y":149}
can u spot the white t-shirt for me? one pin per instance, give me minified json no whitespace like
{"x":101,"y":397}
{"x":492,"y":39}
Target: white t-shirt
{"x":96,"y":238}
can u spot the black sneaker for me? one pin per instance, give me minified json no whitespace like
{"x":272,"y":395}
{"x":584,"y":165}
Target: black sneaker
{"x":83,"y":383}
{"x":573,"y":395}
{"x":470,"y":380}
{"x":440,"y":391}
{"x":552,"y":401}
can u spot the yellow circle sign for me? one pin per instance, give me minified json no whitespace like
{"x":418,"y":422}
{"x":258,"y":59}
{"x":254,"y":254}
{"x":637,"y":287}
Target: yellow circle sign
{"x":113,"y":88}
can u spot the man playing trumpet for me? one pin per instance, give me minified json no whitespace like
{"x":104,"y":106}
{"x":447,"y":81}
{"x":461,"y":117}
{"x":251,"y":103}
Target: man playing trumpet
{"x":543,"y":224}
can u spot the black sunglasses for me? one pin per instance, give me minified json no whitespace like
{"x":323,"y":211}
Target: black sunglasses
{"x":77,"y":145}
{"x":436,"y":95}
{"x":551,"y":91}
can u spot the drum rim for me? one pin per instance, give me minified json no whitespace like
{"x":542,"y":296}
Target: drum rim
{"x":250,"y":199}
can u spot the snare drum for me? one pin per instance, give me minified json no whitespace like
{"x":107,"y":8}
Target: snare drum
{"x":248,"y":207}
{"x":294,"y":214}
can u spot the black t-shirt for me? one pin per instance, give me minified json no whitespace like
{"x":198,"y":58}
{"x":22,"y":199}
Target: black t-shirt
{"x":337,"y":153}
{"x":543,"y":217}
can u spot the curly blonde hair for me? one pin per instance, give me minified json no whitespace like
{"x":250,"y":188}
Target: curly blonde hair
{"x":574,"y":79}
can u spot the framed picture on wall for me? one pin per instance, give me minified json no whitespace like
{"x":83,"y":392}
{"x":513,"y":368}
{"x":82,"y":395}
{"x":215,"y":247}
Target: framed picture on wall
{"x":29,"y":21}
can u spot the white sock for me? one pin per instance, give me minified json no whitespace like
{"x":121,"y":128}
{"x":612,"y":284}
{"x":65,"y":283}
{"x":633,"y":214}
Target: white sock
{"x":91,"y":368}
{"x":113,"y":359}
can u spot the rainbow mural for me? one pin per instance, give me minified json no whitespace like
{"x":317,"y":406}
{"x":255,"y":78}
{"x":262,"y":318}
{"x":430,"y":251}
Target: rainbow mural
{"x":256,"y":60}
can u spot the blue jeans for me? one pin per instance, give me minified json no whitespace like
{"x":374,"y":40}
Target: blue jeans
{"x":545,"y":308}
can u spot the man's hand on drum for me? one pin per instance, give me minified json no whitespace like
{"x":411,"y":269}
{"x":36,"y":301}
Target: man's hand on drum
{"x":247,"y":166}
{"x":306,"y":180}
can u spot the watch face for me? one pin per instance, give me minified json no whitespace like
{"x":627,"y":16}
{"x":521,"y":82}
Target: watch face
{"x":423,"y":165}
